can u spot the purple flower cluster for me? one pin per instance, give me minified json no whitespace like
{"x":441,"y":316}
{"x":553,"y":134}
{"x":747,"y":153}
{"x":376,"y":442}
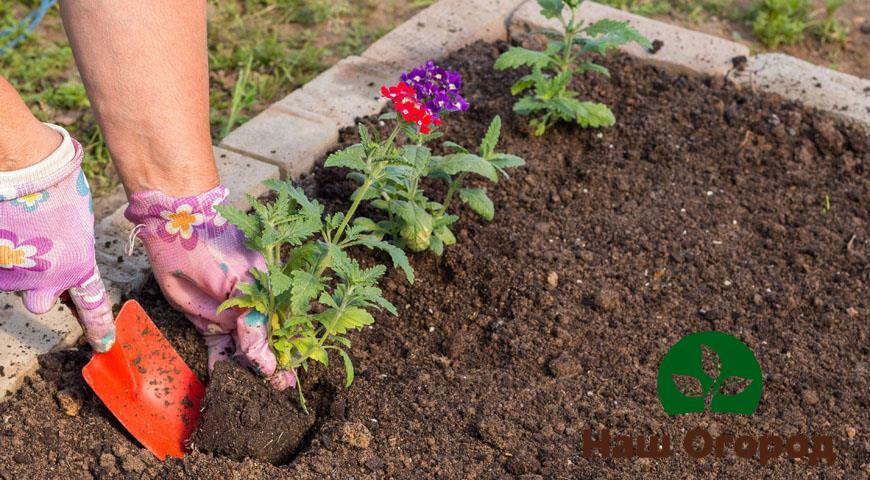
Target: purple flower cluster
{"x":437,"y":88}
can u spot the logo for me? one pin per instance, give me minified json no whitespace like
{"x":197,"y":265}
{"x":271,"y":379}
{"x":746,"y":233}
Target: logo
{"x":709,"y":372}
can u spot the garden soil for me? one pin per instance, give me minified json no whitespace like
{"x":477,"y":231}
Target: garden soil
{"x":704,"y":208}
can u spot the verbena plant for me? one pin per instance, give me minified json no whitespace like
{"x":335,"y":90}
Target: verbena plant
{"x":414,"y":221}
{"x":309,"y":310}
{"x":312,"y":291}
{"x":550,"y":99}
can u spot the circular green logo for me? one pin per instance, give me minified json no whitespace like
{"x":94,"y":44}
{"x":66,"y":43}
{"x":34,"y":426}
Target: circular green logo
{"x":712,"y":372}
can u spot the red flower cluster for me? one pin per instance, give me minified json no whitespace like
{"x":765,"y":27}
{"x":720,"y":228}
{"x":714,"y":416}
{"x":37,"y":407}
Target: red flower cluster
{"x":409,"y":107}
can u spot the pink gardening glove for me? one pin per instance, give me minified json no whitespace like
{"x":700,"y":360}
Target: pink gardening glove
{"x":199,"y":259}
{"x":47,"y":240}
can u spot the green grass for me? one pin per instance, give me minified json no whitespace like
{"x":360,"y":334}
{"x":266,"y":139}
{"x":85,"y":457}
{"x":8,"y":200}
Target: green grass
{"x":259,"y":51}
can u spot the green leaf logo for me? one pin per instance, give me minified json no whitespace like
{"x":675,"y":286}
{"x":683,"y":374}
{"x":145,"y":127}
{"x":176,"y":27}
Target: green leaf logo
{"x":709,"y":372}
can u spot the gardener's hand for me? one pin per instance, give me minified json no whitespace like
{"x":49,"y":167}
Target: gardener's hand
{"x":199,"y":259}
{"x":47,"y":240}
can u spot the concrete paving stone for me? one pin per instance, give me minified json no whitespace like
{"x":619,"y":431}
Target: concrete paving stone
{"x":291,"y":139}
{"x":441,"y":29}
{"x":682,"y":50}
{"x":842,"y":94}
{"x":347,"y":91}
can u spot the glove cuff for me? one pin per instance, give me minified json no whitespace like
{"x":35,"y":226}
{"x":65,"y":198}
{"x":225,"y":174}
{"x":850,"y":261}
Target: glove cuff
{"x":60,"y":164}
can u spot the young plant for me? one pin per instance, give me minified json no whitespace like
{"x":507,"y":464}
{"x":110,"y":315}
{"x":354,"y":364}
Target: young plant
{"x":414,"y":221}
{"x":553,"y":69}
{"x":312,"y":293}
{"x":828,"y":28}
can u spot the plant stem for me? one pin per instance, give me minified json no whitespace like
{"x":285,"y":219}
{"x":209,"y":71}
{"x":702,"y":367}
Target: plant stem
{"x":451,"y":190}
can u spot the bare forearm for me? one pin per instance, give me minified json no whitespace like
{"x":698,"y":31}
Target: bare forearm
{"x":145,"y":67}
{"x":23,"y":139}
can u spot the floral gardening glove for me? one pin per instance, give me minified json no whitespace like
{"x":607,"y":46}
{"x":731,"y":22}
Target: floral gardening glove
{"x":198,"y":259}
{"x":47,"y":240}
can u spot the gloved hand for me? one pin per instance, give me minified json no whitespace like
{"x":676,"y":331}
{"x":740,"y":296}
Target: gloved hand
{"x":199,"y":259}
{"x":47,"y":240}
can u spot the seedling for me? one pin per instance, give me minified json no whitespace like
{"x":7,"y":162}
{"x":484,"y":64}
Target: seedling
{"x":414,"y":221}
{"x":781,"y":21}
{"x":308,"y":311}
{"x":553,"y":69}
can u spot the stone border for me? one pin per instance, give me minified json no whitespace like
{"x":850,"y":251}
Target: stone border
{"x":292,"y":134}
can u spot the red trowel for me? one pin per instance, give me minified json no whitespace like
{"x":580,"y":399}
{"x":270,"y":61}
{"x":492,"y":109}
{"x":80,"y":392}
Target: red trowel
{"x":146,"y":385}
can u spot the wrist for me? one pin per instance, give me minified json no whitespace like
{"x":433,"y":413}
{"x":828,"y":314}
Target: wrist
{"x":62,"y":159}
{"x":27,"y":145}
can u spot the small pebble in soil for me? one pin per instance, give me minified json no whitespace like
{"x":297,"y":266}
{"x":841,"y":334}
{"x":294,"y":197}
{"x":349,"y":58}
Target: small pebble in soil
{"x":811,"y":397}
{"x":70,"y":401}
{"x":606,"y":300}
{"x":356,"y":435}
{"x":852,"y":312}
{"x":553,"y":279}
{"x":851,"y":432}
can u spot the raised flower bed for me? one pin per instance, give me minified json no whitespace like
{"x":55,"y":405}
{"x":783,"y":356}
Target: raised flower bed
{"x":704,"y":207}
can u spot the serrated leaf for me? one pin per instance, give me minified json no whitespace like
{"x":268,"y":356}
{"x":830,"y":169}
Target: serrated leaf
{"x":352,"y":157}
{"x":607,"y":34}
{"x":278,"y":281}
{"x":551,"y":8}
{"x":478,"y":201}
{"x":688,"y":385}
{"x":246,"y":223}
{"x":588,"y":66}
{"x":348,"y":367}
{"x":587,"y":114}
{"x":465,"y":162}
{"x":417,"y":156}
{"x":524,"y":83}
{"x":241,"y":301}
{"x":351,"y":318}
{"x":305,"y":287}
{"x":455,"y":146}
{"x":490,"y":139}
{"x":397,"y":255}
{"x":364,"y":136}
{"x":517,"y":57}
{"x":528,"y":104}
{"x":505,"y":160}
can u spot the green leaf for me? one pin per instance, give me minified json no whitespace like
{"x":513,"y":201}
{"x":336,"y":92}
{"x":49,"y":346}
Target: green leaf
{"x":364,"y":136}
{"x":588,"y":66}
{"x":490,"y":139}
{"x":505,"y":160}
{"x":455,"y":146}
{"x":397,"y":255}
{"x":465,"y":162}
{"x":436,"y":246}
{"x":278,"y":281}
{"x":352,"y":157}
{"x":517,"y":57}
{"x":610,"y":34}
{"x":478,"y":201}
{"x":551,"y":8}
{"x":241,"y":301}
{"x":351,"y":318}
{"x":348,"y":367}
{"x":305,"y":287}
{"x":302,"y":257}
{"x":524,"y":83}
{"x":446,"y":236}
{"x":417,"y":157}
{"x":592,"y":114}
{"x":528,"y":104}
{"x":246,"y":223}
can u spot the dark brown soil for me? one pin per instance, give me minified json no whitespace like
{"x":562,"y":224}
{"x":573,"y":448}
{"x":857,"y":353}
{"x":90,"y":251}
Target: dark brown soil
{"x":701,"y":209}
{"x":242,"y":416}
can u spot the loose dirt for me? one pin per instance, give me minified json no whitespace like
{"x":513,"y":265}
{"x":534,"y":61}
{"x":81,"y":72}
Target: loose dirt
{"x":702,"y":209}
